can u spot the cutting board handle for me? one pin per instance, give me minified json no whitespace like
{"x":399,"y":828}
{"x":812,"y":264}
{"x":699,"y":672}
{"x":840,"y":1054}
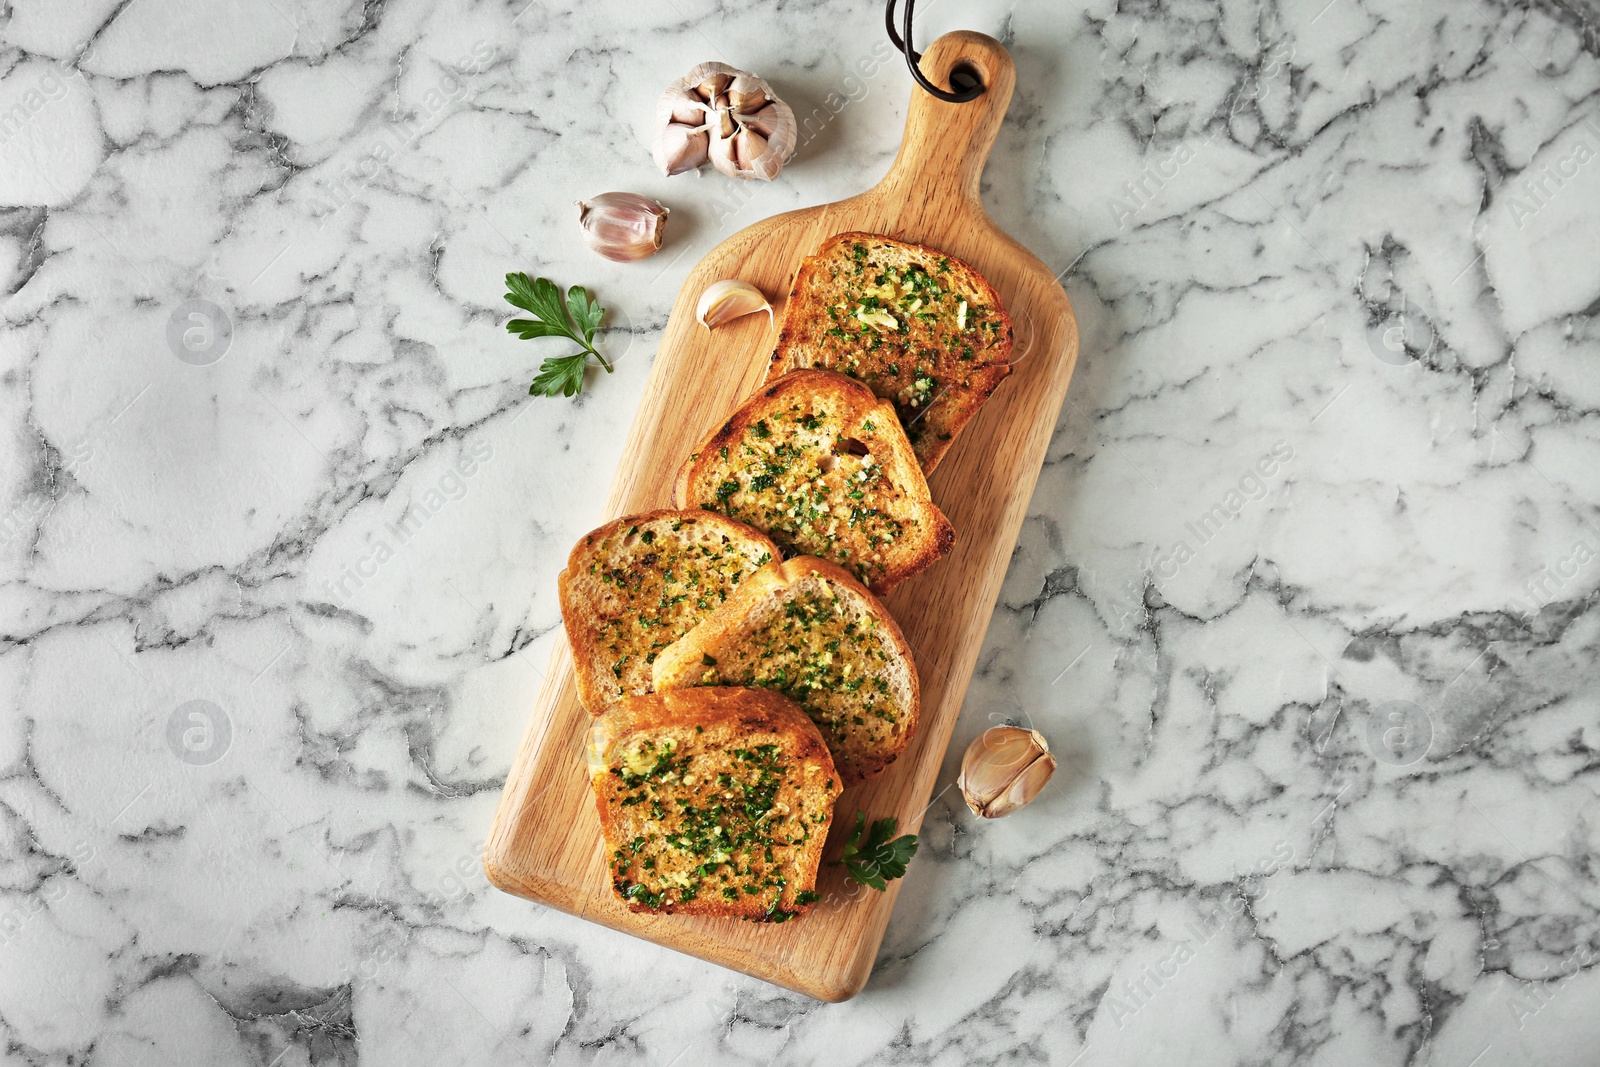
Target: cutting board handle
{"x":946,"y":145}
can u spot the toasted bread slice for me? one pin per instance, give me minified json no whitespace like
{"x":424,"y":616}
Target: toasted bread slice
{"x":920,"y":328}
{"x":712,"y":802}
{"x":822,"y":466}
{"x":806,"y":628}
{"x":636,"y":585}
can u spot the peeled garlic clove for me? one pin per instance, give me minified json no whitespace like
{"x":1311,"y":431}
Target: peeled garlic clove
{"x":678,"y":148}
{"x":1004,"y":768}
{"x":622,"y":226}
{"x":727,"y":300}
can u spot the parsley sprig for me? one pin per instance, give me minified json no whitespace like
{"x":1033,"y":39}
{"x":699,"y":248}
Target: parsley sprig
{"x":879,"y":860}
{"x":558,"y":375}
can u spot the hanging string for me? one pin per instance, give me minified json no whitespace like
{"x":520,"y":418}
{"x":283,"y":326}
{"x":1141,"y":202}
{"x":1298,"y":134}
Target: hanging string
{"x":914,"y":59}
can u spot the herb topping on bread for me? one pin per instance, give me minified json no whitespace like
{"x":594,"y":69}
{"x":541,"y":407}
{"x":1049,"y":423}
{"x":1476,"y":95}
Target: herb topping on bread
{"x":635,"y":585}
{"x":712,"y":802}
{"x":920,"y":328}
{"x":821,"y":465}
{"x":807,"y":629}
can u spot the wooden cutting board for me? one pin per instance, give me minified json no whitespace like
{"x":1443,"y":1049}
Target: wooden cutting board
{"x":545,"y":843}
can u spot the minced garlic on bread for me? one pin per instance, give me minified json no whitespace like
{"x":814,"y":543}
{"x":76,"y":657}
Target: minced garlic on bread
{"x":635,"y":585}
{"x":712,"y":802}
{"x":824,"y":468}
{"x":920,"y":328}
{"x":806,"y":628}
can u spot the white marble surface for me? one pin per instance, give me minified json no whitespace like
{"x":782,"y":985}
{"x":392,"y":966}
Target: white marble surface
{"x":1360,"y":240}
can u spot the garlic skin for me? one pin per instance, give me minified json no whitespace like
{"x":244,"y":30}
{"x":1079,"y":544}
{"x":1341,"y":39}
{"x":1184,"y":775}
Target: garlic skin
{"x":728,"y":117}
{"x":1003,"y":769}
{"x":727,"y":300}
{"x":622,"y":226}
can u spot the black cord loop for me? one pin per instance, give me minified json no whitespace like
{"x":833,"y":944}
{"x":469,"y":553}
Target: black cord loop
{"x":914,"y":57}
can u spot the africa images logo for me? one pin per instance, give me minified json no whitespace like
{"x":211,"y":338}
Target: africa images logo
{"x":199,"y":332}
{"x":1538,"y":189}
{"x":199,"y":732}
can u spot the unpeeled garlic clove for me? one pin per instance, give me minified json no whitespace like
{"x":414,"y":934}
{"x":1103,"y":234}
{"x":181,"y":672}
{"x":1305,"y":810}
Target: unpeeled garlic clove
{"x":682,"y":106}
{"x":754,"y":156}
{"x":1003,"y":769}
{"x":681,"y":149}
{"x":775,"y":123}
{"x":622,"y":226}
{"x":746,"y":93}
{"x":765,"y":122}
{"x":723,"y":155}
{"x":712,"y":79}
{"x":730,"y":299}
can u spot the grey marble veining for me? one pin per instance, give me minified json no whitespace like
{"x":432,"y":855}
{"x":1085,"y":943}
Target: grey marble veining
{"x":1306,"y":597}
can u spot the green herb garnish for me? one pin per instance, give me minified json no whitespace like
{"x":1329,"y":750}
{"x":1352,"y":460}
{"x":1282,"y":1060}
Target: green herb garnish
{"x":576,"y":319}
{"x":880,"y":860}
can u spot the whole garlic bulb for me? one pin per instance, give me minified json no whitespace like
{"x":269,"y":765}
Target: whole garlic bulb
{"x":1004,"y":768}
{"x":622,"y":226}
{"x":728,"y":116}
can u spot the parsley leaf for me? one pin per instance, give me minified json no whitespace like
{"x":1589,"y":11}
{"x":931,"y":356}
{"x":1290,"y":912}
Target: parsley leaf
{"x":558,"y":375}
{"x":879,"y":860}
{"x":585,"y":311}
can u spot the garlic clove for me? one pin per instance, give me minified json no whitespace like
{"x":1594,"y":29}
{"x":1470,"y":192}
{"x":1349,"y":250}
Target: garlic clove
{"x":746,"y":93}
{"x":754,"y":155}
{"x":726,"y":300}
{"x":679,"y":148}
{"x":622,"y":226}
{"x":1027,"y":785}
{"x":749,"y":146}
{"x":681,"y":105}
{"x":764,"y":121}
{"x":781,"y":132}
{"x":723,"y":155}
{"x":1004,"y":769}
{"x":713,"y":83}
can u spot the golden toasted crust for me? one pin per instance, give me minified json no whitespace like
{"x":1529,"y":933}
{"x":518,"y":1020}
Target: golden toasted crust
{"x":635,"y":585}
{"x":807,"y":628}
{"x":720,"y":775}
{"x":823,"y":466}
{"x":936,"y":365}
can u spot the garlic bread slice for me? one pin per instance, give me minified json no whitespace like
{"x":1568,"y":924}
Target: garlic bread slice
{"x":922,"y":329}
{"x":809,"y":630}
{"x":823,"y":467}
{"x":637,"y":584}
{"x":712,"y":802}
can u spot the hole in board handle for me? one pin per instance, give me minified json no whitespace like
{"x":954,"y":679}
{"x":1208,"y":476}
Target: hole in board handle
{"x":965,"y":77}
